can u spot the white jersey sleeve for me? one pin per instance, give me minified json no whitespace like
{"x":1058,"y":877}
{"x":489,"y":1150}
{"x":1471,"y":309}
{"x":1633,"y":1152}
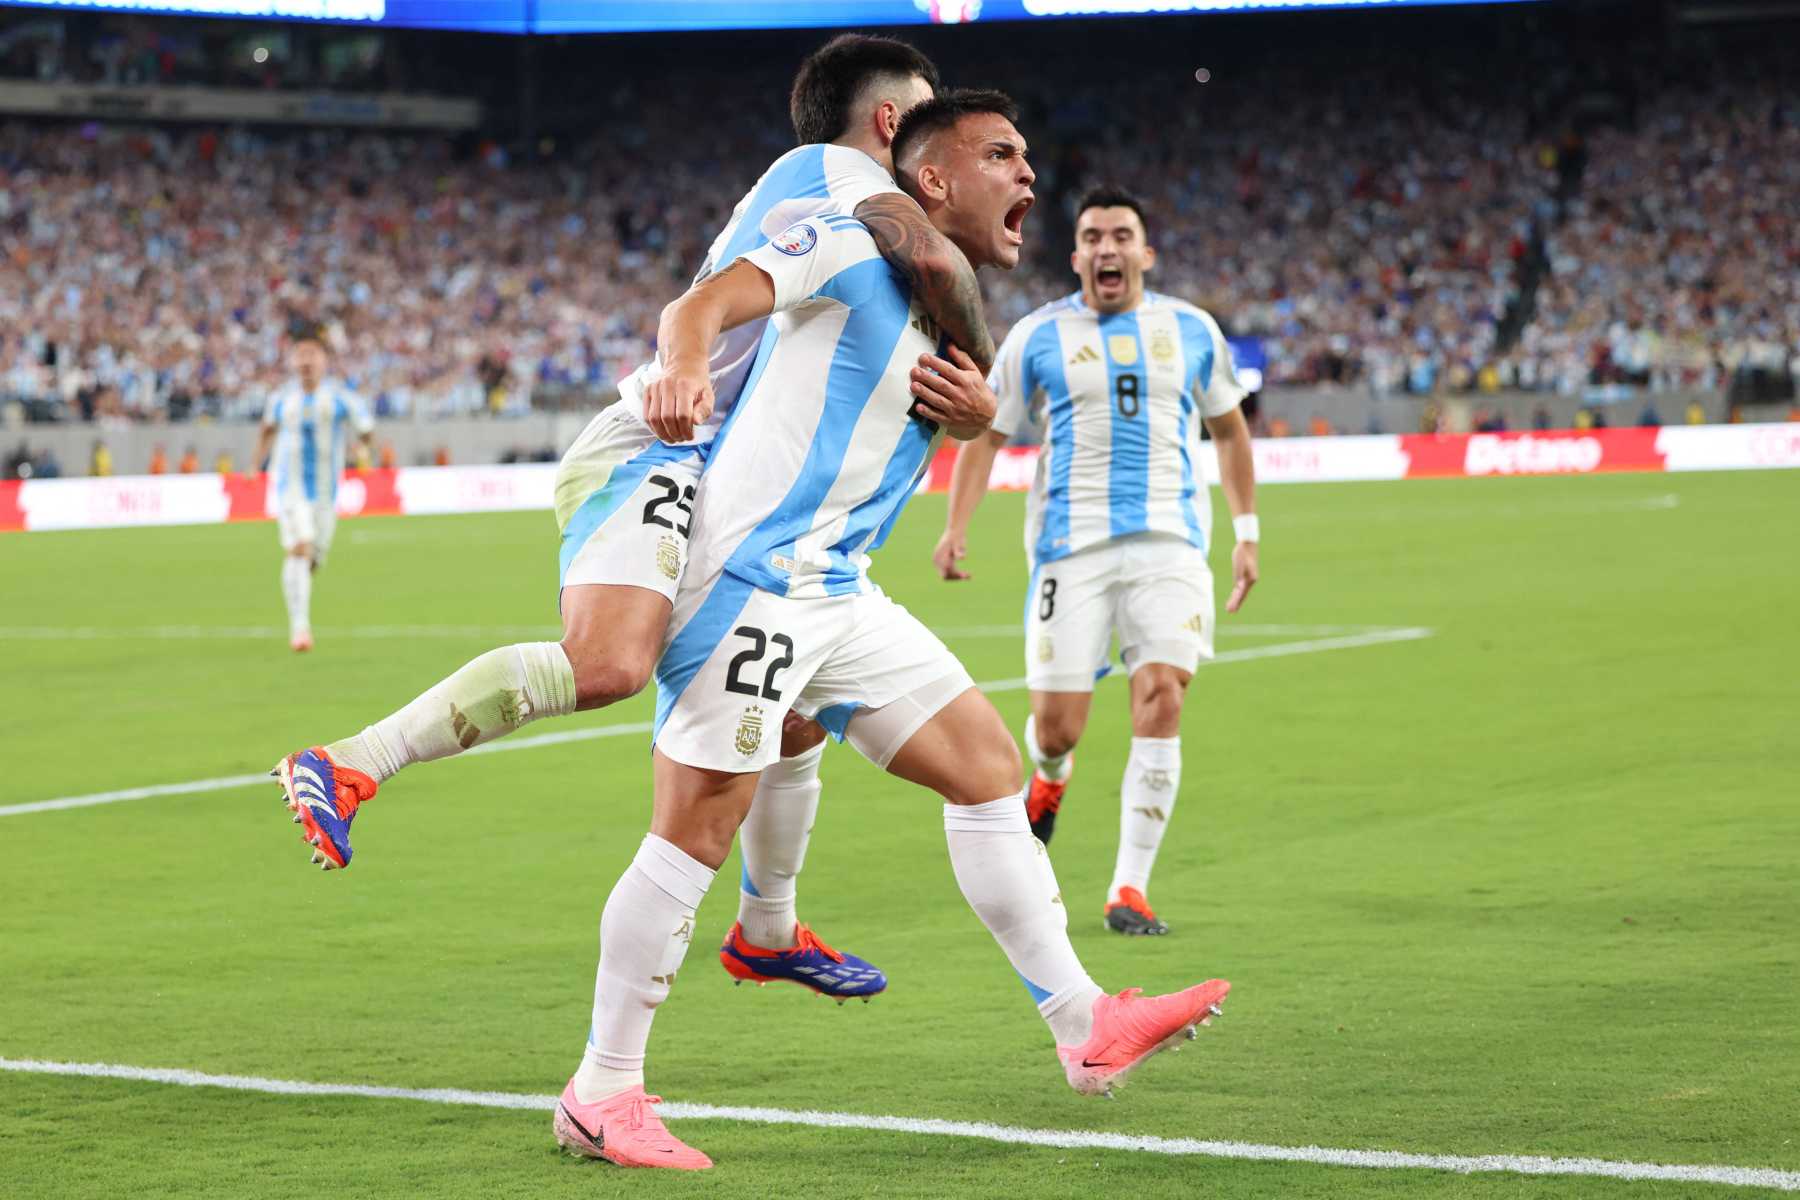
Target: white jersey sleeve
{"x":1220,"y":392}
{"x":852,"y":177}
{"x":805,"y":257}
{"x":271,"y":414}
{"x":357,"y":413}
{"x":1011,"y":388}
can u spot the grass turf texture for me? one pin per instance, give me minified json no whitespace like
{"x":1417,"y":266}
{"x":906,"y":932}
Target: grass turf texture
{"x":1525,"y":887}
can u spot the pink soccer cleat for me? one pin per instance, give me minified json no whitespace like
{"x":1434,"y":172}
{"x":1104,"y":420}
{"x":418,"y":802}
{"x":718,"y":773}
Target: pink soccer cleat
{"x":1130,"y":1028}
{"x":622,"y":1129}
{"x":301,"y":641}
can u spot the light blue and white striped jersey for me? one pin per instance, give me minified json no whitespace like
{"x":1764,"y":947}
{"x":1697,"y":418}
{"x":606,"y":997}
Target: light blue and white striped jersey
{"x":807,"y":181}
{"x":311,"y":433}
{"x":820,"y":454}
{"x":1121,"y":396}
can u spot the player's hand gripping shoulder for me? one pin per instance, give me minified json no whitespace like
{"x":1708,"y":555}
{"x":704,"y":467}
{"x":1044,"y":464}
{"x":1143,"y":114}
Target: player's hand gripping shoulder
{"x":953,"y":393}
{"x":678,"y":399}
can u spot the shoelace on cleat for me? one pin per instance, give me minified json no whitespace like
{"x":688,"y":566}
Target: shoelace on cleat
{"x":808,"y":940}
{"x":640,"y":1114}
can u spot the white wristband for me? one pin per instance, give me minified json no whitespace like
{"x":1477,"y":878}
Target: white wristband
{"x":1246,"y":528}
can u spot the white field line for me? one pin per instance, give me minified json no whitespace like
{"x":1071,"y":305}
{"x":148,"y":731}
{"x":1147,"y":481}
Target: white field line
{"x":1231,"y":629}
{"x":1070,"y":1139}
{"x":263,"y":779}
{"x":1279,"y":650}
{"x":184,"y":633}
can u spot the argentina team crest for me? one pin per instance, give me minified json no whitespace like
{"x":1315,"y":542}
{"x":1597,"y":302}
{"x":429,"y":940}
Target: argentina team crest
{"x":1162,"y":347}
{"x":796,"y":240}
{"x":668,"y":557}
{"x":749,"y":731}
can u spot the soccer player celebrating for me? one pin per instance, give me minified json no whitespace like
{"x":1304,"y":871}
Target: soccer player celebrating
{"x":1117,"y":522}
{"x":305,"y":422}
{"x":776,"y":613}
{"x":624,"y":502}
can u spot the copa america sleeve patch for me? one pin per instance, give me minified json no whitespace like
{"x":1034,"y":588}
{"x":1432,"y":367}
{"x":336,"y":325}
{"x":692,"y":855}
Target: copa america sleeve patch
{"x":796,"y":239}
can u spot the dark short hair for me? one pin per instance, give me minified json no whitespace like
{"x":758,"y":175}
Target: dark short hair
{"x":943,"y":111}
{"x":834,"y":75}
{"x":300,"y":330}
{"x":1111,"y":195}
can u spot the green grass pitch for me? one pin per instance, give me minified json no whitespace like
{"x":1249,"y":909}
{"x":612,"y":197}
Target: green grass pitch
{"x":1526,"y":886}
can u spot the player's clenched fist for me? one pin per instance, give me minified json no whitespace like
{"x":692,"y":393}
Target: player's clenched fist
{"x":677,"y":400}
{"x":950,"y":551}
{"x":1244,"y":575}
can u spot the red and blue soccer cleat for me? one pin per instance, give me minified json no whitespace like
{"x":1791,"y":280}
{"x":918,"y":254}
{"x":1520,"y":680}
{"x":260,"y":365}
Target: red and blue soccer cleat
{"x":1130,"y":913}
{"x":1131,"y":1028}
{"x":323,"y":796}
{"x":1044,"y":801}
{"x":809,"y":963}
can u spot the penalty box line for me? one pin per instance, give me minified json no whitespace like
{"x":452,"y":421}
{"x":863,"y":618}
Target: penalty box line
{"x":1069,"y":1139}
{"x":1373,"y":637}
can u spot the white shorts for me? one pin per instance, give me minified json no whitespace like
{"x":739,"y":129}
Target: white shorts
{"x":623,"y":503}
{"x":307,"y":521}
{"x":1154,"y":591}
{"x":739,"y":658}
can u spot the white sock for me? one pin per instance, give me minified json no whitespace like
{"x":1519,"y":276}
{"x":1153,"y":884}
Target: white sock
{"x":1146,"y":802}
{"x":490,"y":696}
{"x":1006,"y":877}
{"x":296,"y":589}
{"x":772,"y":842}
{"x":1054,"y":769}
{"x":644,"y":934}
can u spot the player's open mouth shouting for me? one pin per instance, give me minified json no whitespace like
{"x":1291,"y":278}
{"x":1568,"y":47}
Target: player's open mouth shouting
{"x":1109,"y":280}
{"x":1013,"y":223}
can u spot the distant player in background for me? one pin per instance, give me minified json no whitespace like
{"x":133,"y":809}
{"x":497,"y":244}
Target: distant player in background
{"x":307,"y":423}
{"x":1118,"y":520}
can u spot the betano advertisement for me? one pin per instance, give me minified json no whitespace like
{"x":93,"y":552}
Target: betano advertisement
{"x":44,"y":504}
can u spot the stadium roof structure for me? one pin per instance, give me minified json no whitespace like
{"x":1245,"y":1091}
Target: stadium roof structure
{"x":626,"y":16}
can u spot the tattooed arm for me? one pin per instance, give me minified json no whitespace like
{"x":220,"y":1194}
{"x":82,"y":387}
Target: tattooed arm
{"x":940,"y":275}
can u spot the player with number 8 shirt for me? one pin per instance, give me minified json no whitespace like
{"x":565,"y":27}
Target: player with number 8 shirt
{"x":1118,"y":520}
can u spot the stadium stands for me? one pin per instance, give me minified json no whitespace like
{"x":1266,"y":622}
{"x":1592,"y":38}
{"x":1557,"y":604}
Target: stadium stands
{"x":1445,"y":240}
{"x":1679,"y":264}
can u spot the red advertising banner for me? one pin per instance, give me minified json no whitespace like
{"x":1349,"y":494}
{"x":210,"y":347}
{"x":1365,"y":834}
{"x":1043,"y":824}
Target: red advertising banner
{"x":12,"y":517}
{"x":200,"y":499}
{"x":1551,"y":452}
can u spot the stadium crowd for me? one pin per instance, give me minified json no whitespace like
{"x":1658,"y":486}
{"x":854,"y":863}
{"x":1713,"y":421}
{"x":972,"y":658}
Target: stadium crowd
{"x":1679,"y":263}
{"x":1377,"y":246}
{"x":150,"y":273}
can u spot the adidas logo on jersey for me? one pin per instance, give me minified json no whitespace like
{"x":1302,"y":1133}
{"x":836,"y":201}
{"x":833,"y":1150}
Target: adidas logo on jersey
{"x":1086,"y":354}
